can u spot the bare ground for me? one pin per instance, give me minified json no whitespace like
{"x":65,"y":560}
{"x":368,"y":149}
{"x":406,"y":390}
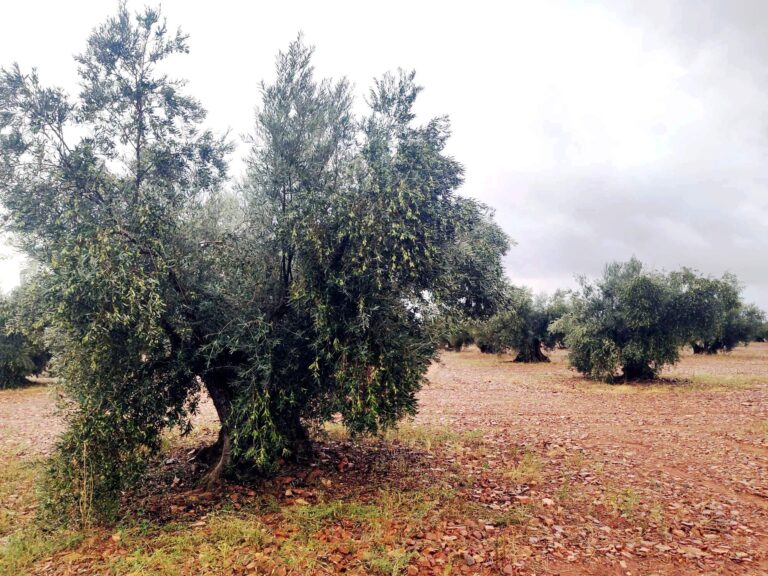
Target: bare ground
{"x":548,"y":474}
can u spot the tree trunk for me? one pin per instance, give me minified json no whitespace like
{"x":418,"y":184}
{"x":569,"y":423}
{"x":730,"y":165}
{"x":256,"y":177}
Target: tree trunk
{"x":531,"y":353}
{"x":219,"y":454}
{"x":299,"y":444}
{"x":638,"y":372}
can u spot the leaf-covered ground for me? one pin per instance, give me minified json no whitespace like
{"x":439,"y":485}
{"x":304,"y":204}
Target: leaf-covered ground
{"x":508,"y":469}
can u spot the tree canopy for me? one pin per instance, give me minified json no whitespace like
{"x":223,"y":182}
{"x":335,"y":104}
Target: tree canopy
{"x":304,"y":292}
{"x":627,"y":325}
{"x":720,"y":318}
{"x":22,"y":352}
{"x":522,"y":325}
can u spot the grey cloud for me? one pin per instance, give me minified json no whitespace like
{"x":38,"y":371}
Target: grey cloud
{"x":703,"y":203}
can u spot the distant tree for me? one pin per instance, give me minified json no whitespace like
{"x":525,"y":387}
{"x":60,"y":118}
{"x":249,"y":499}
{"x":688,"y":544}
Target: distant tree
{"x":762,"y":333}
{"x":22,"y":352}
{"x":719,"y":318}
{"x":497,"y":334}
{"x":555,"y":307}
{"x":451,"y":333}
{"x":478,"y":272}
{"x":627,"y":325}
{"x":747,"y":326}
{"x":522,"y":325}
{"x":16,"y":354}
{"x":308,"y":294}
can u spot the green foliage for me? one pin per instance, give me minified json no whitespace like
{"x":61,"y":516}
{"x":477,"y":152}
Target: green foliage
{"x":309,"y":291}
{"x":627,"y":325}
{"x":21,"y":352}
{"x":499,"y":333}
{"x":523,"y":325}
{"x":719,"y":317}
{"x":479,"y":288}
{"x":363,"y":243}
{"x":555,"y":307}
{"x":761,"y":334}
{"x":452,"y":333}
{"x":104,"y":217}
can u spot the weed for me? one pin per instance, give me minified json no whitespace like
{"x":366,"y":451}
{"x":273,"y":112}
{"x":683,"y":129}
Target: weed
{"x":517,"y":515}
{"x":527,"y":470}
{"x":383,"y":562}
{"x":623,"y":502}
{"x":225,"y":542}
{"x":564,"y":491}
{"x":311,"y":519}
{"x":30,"y":543}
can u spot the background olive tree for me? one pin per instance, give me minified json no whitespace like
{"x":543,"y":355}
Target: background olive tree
{"x":22,"y":351}
{"x":523,"y":324}
{"x":626,"y":325}
{"x":719,"y":318}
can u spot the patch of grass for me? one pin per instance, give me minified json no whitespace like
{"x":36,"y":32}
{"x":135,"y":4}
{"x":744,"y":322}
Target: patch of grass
{"x":387,"y":562}
{"x":17,"y":490}
{"x":527,"y":470}
{"x":311,"y":519}
{"x":564,"y":492}
{"x":657,"y":516}
{"x":575,"y":461}
{"x":377,"y":545}
{"x":516,"y":515}
{"x":226,"y":542}
{"x":415,"y":506}
{"x":412,"y":435}
{"x":682,"y":383}
{"x":335,"y":431}
{"x":623,"y":502}
{"x":724,"y":381}
{"x":22,"y":540}
{"x":30,"y":544}
{"x":421,"y":437}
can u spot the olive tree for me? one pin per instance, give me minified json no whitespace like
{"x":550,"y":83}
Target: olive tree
{"x":523,"y":325}
{"x":720,"y":319}
{"x":22,"y":353}
{"x":761,"y":335}
{"x":478,"y":273}
{"x":555,"y":307}
{"x":626,"y":325}
{"x":304,"y":293}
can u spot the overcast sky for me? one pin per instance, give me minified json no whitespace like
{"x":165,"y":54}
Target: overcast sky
{"x":597,"y":130}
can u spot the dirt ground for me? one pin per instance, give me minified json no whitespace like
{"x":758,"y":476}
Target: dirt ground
{"x":548,"y":473}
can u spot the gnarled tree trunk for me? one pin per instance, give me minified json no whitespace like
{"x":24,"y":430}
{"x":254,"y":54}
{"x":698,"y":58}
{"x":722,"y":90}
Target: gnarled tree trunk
{"x":219,"y":454}
{"x":531,"y":353}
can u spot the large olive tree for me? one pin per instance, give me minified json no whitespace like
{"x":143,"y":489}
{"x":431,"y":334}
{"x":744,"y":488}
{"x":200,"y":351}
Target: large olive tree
{"x":305,"y":293}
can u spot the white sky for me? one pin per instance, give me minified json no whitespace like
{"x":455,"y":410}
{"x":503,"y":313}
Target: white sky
{"x":598,"y":130}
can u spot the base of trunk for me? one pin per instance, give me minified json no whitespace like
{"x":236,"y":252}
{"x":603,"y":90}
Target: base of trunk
{"x":219,"y":456}
{"x":299,"y":443}
{"x":532,"y":353}
{"x":638,"y":373}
